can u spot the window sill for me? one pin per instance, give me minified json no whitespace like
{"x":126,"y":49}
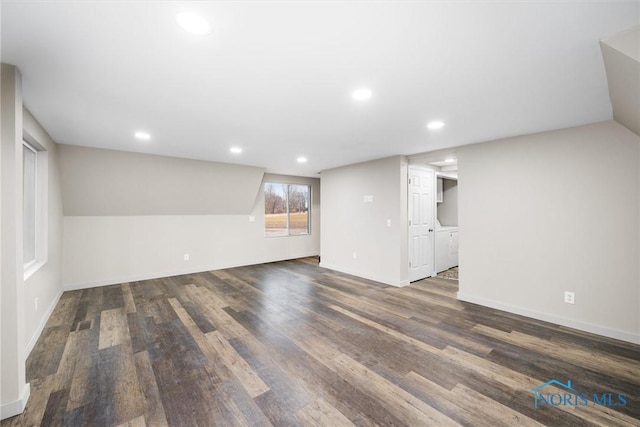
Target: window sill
{"x":32,"y":268}
{"x":287,"y":235}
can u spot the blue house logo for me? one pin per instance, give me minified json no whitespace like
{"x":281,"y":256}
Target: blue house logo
{"x":568,"y":396}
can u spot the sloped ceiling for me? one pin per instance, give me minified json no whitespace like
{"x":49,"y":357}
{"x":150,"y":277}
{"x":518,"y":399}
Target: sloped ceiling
{"x":621,"y":55}
{"x":115,"y":183}
{"x":275,"y":78}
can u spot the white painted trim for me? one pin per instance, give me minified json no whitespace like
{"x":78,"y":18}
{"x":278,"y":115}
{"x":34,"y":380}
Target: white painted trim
{"x":34,"y":338}
{"x":386,"y":281}
{"x":34,"y":266}
{"x":41,"y":205}
{"x":447,"y":175}
{"x":163,"y":274}
{"x":16,"y":407}
{"x":134,"y":278}
{"x":558,"y":320}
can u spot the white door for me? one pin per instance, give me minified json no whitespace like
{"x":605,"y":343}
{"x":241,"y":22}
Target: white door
{"x":421,"y":223}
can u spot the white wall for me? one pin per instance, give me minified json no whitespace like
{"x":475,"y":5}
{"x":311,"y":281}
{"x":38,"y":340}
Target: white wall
{"x":21,"y":323}
{"x":448,"y":210}
{"x":349,"y":225}
{"x":46,"y":283}
{"x":553,"y":212}
{"x":14,"y":391}
{"x":113,"y":249}
{"x":110,"y":183}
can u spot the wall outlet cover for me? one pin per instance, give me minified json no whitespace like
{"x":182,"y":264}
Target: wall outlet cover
{"x":569,"y":297}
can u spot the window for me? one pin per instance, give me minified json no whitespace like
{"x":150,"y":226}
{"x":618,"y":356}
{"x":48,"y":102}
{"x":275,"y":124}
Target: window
{"x":29,"y":187}
{"x":286,"y":209}
{"x":34,"y":206}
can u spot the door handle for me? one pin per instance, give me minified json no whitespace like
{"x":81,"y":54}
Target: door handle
{"x":430,"y":230}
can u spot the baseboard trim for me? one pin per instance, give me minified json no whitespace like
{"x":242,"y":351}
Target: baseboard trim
{"x":558,"y":320}
{"x":163,"y":274}
{"x":383,"y":280}
{"x":16,"y":407}
{"x":128,"y":279}
{"x":34,"y":338}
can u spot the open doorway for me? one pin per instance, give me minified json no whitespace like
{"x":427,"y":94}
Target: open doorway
{"x":433,"y":241}
{"x":446,"y":240}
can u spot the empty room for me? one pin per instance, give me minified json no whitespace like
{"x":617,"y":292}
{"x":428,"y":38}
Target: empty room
{"x":320,"y":213}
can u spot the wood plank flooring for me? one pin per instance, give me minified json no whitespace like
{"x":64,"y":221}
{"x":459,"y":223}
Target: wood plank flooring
{"x":290,"y":343}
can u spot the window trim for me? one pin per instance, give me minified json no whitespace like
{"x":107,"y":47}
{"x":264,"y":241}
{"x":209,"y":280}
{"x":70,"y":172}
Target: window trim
{"x":41,"y":205}
{"x":36,"y":203}
{"x":288,"y":184}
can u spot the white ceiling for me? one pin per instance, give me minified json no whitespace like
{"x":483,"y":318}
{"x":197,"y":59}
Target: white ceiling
{"x":275,"y":77}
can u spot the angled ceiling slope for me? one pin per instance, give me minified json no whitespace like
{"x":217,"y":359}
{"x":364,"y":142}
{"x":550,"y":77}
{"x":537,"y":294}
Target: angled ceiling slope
{"x":621,"y":55}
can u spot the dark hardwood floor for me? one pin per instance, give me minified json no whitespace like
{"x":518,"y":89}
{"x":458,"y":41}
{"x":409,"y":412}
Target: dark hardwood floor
{"x":290,"y":343}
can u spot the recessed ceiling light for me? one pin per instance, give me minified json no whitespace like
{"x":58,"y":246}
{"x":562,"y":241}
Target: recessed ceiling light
{"x":450,"y":160}
{"x":143,"y":136}
{"x":235,"y":150}
{"x":302,"y":160}
{"x":435,"y":125}
{"x":193,"y":23}
{"x":361,"y":94}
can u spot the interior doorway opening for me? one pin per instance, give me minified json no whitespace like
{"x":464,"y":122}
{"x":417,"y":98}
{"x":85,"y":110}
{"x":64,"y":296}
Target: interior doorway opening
{"x":433,"y":217}
{"x":447,"y":236}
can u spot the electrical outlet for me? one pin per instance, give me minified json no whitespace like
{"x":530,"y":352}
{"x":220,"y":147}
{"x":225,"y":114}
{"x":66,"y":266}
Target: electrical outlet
{"x":186,"y":257}
{"x":388,"y":223}
{"x":35,"y":303}
{"x":355,"y":255}
{"x":569,"y":297}
{"x":252,"y":218}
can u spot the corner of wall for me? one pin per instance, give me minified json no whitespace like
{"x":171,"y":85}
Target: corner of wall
{"x":533,"y":225}
{"x":14,"y":389}
{"x":403,"y":223}
{"x":16,"y":407}
{"x":364,"y":220}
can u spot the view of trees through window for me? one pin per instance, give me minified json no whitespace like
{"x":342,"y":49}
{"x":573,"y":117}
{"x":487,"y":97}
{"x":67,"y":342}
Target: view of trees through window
{"x":286,"y":209}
